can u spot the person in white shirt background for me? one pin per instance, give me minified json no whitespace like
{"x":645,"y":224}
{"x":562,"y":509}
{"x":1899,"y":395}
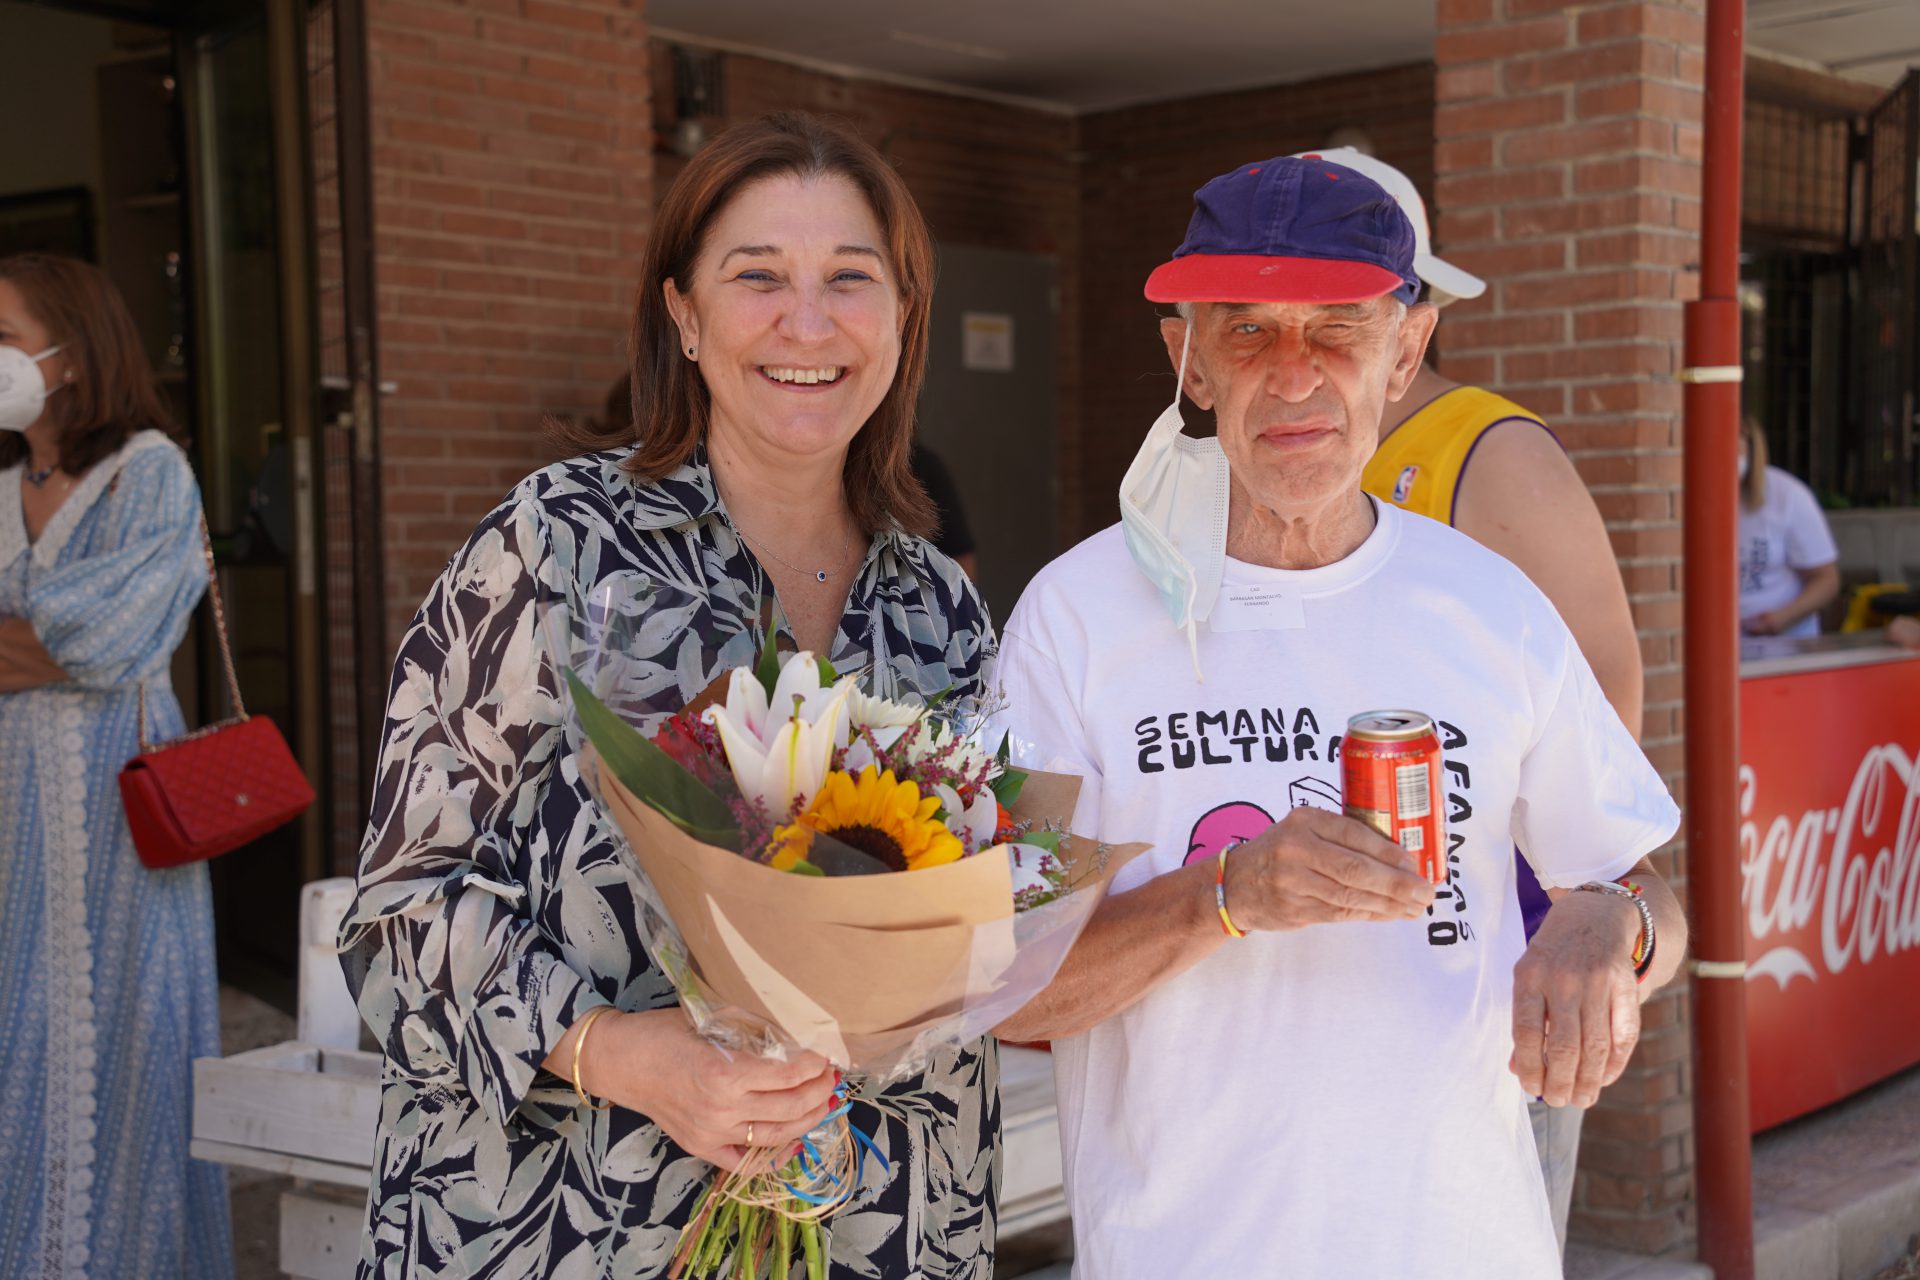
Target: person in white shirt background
{"x":1789,"y":567}
{"x":1277,"y":1050}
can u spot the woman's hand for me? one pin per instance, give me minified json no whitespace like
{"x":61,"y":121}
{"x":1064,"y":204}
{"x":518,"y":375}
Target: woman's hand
{"x":705,"y":1100}
{"x":24,"y":661}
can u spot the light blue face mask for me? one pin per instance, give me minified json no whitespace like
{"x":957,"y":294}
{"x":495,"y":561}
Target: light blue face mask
{"x":1173,"y":511}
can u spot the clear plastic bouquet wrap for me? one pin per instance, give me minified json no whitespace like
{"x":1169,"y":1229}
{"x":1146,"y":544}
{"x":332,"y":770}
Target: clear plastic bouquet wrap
{"x":797,"y":835}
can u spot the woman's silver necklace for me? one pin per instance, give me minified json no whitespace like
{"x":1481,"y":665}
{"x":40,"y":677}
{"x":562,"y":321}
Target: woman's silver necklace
{"x":38,"y":479}
{"x":820,"y":575}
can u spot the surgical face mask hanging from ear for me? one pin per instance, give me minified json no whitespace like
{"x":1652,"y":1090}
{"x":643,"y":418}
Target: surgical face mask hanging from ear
{"x":1173,"y":511}
{"x":23,"y":389}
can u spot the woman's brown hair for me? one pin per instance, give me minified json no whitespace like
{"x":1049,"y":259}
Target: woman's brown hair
{"x":670,"y":403}
{"x":113,"y":392}
{"x":1753,"y":486}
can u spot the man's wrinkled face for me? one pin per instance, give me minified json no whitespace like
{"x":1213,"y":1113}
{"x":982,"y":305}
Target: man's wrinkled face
{"x":1297,"y":389}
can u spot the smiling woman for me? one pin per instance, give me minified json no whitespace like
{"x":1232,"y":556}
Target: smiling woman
{"x":758,"y":213}
{"x":779,"y":340}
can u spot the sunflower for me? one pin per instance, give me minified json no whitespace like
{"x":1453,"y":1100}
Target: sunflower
{"x":875,"y":813}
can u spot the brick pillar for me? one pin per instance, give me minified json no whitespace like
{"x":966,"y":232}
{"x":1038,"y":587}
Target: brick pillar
{"x":1567,"y":156}
{"x":513,"y":167}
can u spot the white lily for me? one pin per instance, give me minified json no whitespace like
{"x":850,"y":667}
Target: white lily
{"x":780,"y":748}
{"x":976,"y":823}
{"x":1028,"y":862}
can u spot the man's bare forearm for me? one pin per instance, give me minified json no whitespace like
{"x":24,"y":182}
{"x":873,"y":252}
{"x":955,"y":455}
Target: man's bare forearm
{"x":1135,"y":941}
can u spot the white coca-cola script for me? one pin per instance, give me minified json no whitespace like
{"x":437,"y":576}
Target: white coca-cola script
{"x":1857,"y":865}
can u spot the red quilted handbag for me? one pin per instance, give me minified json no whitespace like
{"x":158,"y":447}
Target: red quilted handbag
{"x":213,"y":790}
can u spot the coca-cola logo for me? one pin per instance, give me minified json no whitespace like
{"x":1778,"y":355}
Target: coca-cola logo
{"x":1856,"y":866}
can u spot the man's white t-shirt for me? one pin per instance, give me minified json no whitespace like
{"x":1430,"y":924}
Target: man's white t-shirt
{"x":1332,"y":1102}
{"x":1783,"y":539}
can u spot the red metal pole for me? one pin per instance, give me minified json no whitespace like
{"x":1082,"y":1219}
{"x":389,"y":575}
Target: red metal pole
{"x":1722,"y":1133}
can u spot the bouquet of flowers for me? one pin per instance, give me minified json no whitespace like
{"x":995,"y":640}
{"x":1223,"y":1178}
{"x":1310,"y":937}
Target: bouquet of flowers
{"x":797,"y":835}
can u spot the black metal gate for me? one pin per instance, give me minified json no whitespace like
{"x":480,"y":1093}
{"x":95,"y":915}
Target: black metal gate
{"x":342,"y":179}
{"x":1881,"y":461}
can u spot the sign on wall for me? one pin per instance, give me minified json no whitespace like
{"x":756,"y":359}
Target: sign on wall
{"x":1830,"y":848}
{"x":986,"y":342}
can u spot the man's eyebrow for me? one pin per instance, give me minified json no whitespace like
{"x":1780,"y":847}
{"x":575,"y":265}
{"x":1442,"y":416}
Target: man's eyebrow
{"x":1349,"y":310}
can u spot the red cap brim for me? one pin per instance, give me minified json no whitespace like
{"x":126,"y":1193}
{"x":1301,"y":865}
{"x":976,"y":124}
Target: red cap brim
{"x":1221,"y":277}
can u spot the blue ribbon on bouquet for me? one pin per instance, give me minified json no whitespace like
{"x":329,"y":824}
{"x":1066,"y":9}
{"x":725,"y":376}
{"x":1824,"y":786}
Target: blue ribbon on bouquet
{"x":810,"y":1161}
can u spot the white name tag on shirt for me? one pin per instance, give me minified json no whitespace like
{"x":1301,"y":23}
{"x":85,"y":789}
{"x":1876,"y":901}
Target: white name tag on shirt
{"x":1257,"y":608}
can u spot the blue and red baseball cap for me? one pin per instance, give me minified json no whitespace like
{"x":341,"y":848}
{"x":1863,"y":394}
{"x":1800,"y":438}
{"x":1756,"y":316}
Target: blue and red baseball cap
{"x":1291,"y":229}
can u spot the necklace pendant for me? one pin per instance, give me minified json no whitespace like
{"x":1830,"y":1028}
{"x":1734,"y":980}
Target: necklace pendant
{"x":822,"y":575}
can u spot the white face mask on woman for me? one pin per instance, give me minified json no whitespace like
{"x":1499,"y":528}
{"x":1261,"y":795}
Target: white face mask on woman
{"x":23,"y":388}
{"x":1173,"y":511}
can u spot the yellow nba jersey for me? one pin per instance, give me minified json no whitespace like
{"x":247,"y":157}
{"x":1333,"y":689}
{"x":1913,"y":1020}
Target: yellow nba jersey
{"x":1418,"y":467}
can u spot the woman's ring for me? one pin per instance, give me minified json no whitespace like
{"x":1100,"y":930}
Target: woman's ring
{"x":749,"y":1133}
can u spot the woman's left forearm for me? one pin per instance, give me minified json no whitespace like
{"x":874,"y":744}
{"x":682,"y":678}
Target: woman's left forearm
{"x":24,"y":661}
{"x":1818,"y":587}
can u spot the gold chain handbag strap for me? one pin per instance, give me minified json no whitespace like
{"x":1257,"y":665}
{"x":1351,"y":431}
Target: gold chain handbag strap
{"x":226,"y":654}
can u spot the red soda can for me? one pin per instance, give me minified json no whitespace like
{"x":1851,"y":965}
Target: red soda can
{"x":1390,"y":779}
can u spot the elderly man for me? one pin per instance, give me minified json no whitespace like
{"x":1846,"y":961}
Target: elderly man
{"x":1279,"y":1051}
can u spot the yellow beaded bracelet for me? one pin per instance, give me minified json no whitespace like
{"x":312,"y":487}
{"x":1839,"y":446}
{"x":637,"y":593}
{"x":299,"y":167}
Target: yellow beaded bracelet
{"x":1220,"y":900}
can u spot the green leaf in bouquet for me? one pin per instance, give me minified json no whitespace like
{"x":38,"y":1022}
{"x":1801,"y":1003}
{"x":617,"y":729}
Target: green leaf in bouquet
{"x":767,"y":669}
{"x":827,"y":674}
{"x":650,"y":773}
{"x":805,"y":869}
{"x":1048,"y":840}
{"x":1007,"y":787}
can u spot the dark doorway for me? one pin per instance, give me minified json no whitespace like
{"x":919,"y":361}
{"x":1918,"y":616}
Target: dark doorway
{"x":169,"y":141}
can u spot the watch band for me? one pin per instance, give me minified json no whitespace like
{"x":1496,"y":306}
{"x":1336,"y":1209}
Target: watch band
{"x":1643,"y":949}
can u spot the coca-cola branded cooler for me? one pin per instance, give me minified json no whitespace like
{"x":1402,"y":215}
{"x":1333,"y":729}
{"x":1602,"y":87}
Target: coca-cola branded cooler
{"x":1830,"y":847}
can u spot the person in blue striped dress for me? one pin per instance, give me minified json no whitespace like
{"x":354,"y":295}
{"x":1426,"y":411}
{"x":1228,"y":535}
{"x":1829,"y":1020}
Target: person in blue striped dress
{"x":107,"y":984}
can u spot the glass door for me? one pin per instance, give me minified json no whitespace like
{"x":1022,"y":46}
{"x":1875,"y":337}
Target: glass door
{"x":243,"y":121}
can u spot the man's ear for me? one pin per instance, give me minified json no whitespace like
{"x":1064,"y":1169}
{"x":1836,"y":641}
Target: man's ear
{"x":1416,"y":331}
{"x":684,"y":316}
{"x":1173,"y":332}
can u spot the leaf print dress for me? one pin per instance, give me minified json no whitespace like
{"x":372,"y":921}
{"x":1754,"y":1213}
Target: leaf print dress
{"x":494,"y":907}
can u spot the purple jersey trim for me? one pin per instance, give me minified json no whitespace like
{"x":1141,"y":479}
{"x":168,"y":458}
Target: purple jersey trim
{"x":1453,"y":508}
{"x":1534,"y":902}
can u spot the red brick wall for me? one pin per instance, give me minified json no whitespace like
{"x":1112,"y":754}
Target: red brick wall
{"x":1139,"y":169}
{"x":512,"y":171}
{"x":1569,"y":140}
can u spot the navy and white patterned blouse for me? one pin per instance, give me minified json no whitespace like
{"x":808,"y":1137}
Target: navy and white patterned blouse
{"x":494,"y":908}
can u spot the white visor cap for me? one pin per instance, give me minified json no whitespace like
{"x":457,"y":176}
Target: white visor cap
{"x":1445,"y":282}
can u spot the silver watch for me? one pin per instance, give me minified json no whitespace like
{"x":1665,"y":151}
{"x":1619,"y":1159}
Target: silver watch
{"x":1644,"y":952}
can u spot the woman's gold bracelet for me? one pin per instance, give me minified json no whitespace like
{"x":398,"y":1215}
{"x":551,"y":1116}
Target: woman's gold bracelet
{"x":579,"y":1043}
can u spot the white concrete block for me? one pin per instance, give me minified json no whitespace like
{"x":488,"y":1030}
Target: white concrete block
{"x":1874,"y":1216}
{"x":1795,"y":1244}
{"x":296,"y":1099}
{"x":320,"y":1235}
